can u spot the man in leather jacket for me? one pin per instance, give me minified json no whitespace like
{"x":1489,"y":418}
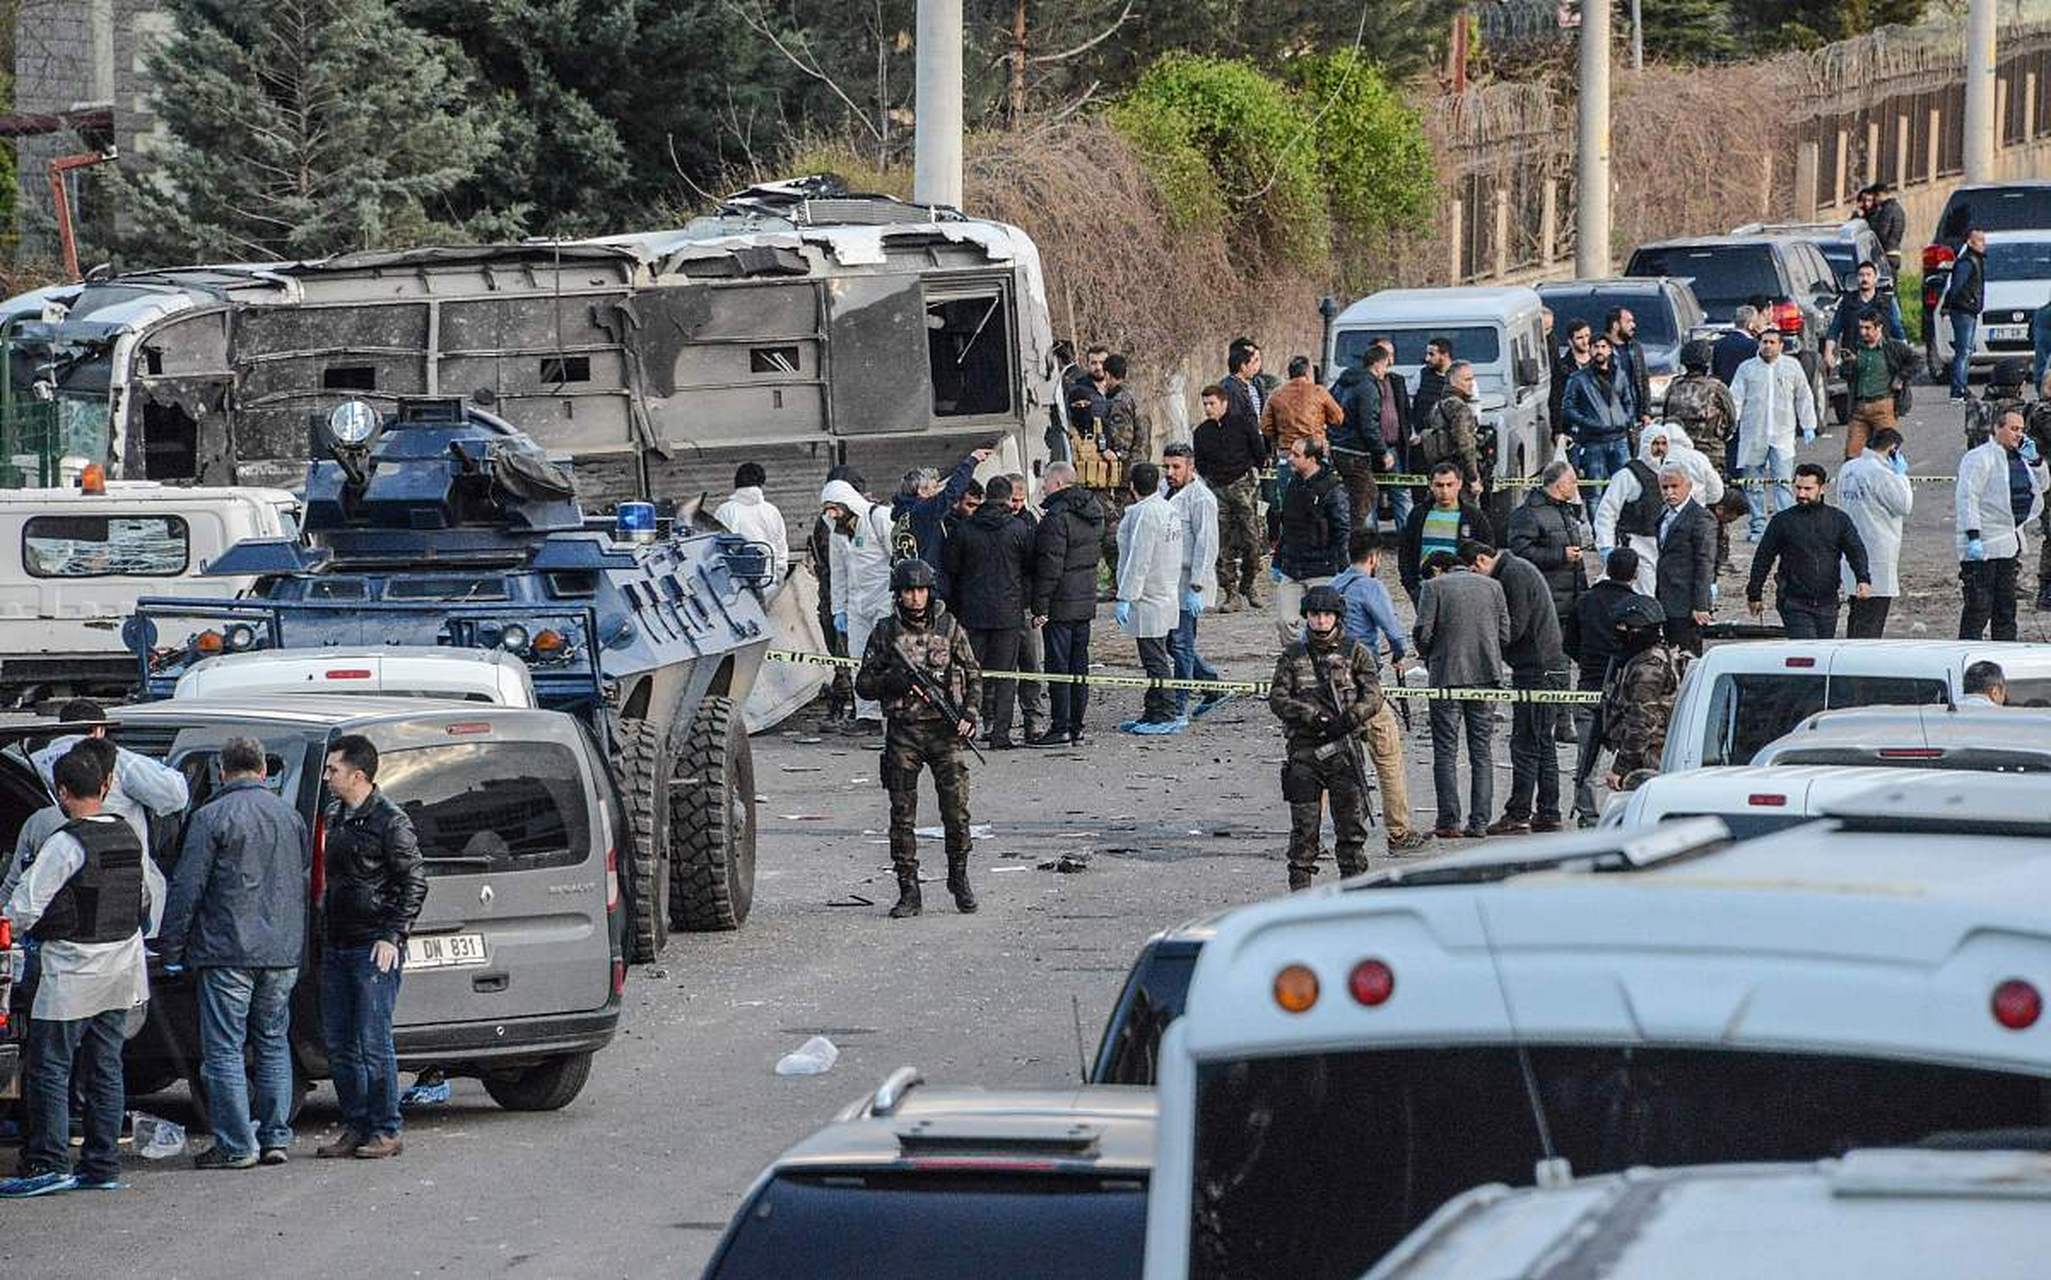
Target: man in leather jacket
{"x":375,"y":885}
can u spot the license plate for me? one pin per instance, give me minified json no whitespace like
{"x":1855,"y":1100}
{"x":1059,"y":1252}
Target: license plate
{"x":445,"y":951}
{"x":2008,"y":333}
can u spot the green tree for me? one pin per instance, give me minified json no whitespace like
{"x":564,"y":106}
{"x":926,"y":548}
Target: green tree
{"x":1774,"y":25}
{"x":1689,"y":31}
{"x":305,"y":127}
{"x":1373,"y":157}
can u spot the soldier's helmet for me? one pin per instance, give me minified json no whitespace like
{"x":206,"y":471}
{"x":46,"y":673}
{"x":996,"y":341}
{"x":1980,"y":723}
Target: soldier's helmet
{"x":911,"y":573}
{"x":1696,"y":355}
{"x":1638,"y":615}
{"x":1322,"y":600}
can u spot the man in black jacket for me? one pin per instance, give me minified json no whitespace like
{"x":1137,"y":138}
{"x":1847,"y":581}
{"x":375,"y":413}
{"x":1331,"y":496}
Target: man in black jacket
{"x":1629,"y":355}
{"x":1888,"y":221}
{"x":1809,"y":539}
{"x":990,"y":564}
{"x":1066,"y":548}
{"x":1315,"y":524}
{"x":1687,"y":559}
{"x":1431,"y":382}
{"x":1230,"y":454}
{"x":1450,"y":518}
{"x":376,"y":884}
{"x":1535,"y":662}
{"x":1964,"y":295}
{"x":237,"y":915}
{"x":1549,"y":529}
{"x":1595,"y":616}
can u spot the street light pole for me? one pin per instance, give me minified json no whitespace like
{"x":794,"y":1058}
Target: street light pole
{"x":1979,"y":117}
{"x":936,"y":169}
{"x":1591,"y":249}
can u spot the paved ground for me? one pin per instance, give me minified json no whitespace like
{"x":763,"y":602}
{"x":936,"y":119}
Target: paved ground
{"x":641,"y":1172}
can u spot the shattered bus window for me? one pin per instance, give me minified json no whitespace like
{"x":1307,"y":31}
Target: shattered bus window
{"x":968,"y":342}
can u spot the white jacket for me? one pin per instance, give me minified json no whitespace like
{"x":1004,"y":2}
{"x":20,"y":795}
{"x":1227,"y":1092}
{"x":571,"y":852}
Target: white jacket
{"x":142,"y":786}
{"x":756,"y":518}
{"x":1197,"y":507}
{"x":1879,"y":502}
{"x":1624,"y":489}
{"x":860,"y":564}
{"x":1983,"y":501}
{"x":1150,"y":538}
{"x":1773,"y":399}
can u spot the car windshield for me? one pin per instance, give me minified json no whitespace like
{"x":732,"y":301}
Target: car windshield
{"x":1480,"y":344}
{"x":1367,"y":1144}
{"x":1654,"y":314}
{"x":2019,"y":260}
{"x":1725,"y":276}
{"x":953,"y":1226}
{"x":1999,"y":209}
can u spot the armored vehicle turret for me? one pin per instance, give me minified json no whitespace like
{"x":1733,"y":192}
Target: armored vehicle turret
{"x":442,"y":525}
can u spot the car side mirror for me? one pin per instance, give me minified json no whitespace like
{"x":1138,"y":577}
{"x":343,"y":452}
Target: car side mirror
{"x":1529,"y":371}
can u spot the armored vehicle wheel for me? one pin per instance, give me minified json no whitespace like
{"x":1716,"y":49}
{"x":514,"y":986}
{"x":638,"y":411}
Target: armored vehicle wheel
{"x":712,"y":822}
{"x":645,"y":775}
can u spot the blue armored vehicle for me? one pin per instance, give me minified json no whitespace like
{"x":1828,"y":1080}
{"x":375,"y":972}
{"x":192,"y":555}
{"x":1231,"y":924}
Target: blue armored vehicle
{"x":445,"y":526}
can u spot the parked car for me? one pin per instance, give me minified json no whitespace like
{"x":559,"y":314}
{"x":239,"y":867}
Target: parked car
{"x":1129,"y":1050}
{"x":1738,"y":697}
{"x":955,"y":1184}
{"x":2023,"y":205}
{"x":421,"y":671}
{"x":1751,"y":800}
{"x":73,"y":562}
{"x":1354,"y":1056}
{"x":1789,"y":275}
{"x":1499,"y":331}
{"x":2018,"y":282}
{"x":1885,"y":1214}
{"x":1666,"y":310}
{"x":514,"y":969}
{"x":1992,"y":739}
{"x":1844,"y":245}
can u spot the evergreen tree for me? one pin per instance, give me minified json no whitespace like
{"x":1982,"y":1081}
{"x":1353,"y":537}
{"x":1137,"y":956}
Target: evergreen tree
{"x":1688,"y":30}
{"x":305,"y":127}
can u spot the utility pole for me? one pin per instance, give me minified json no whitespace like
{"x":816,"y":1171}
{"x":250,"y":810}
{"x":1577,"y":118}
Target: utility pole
{"x":1591,"y":248}
{"x":1637,"y":36}
{"x":1979,"y":118}
{"x":936,"y":168}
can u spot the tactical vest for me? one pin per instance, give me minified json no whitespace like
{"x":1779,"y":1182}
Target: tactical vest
{"x":102,"y":901}
{"x":1641,"y":514}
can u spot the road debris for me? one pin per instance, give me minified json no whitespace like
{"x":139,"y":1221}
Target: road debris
{"x":815,"y":1057}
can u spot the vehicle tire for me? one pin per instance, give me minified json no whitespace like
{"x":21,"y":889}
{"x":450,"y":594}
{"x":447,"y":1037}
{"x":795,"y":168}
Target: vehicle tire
{"x":712,"y":822}
{"x":645,"y":775}
{"x":549,"y":1085}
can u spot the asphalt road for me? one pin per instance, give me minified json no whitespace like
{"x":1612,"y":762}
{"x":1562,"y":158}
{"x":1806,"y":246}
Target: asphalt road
{"x":639,"y":1175}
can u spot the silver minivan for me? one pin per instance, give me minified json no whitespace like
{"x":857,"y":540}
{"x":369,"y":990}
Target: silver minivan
{"x":515,"y":968}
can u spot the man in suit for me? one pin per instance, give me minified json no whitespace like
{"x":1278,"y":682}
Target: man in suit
{"x":1687,"y":560}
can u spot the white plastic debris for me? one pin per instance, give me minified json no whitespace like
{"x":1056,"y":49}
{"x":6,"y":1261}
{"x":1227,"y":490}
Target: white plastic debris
{"x":977,"y":831}
{"x":156,"y":1137}
{"x":815,"y":1057}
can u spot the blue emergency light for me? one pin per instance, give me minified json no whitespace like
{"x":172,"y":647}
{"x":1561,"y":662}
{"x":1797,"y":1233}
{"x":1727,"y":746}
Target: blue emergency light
{"x":636,"y":522}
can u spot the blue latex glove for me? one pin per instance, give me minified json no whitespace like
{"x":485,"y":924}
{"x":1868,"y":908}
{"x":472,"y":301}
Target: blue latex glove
{"x":1192,"y":603}
{"x":840,"y":622}
{"x":1275,"y":572}
{"x":174,"y":966}
{"x":2028,"y":451}
{"x":1808,"y":436}
{"x":1899,"y":463}
{"x":1123,"y":612}
{"x":1976,"y":549}
{"x":1602,"y":553}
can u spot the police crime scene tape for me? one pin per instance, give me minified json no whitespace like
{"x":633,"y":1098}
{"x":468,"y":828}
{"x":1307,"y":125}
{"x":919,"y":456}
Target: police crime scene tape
{"x":1255,"y":687}
{"x":1532,"y":482}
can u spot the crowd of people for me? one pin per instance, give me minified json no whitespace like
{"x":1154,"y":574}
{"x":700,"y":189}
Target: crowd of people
{"x":83,"y":886}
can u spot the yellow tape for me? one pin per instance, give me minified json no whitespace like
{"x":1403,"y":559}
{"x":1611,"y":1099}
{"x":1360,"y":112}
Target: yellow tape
{"x":1257,"y":687}
{"x":1529,"y":482}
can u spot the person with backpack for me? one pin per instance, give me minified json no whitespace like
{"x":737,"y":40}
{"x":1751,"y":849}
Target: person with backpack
{"x":1451,"y":432}
{"x":90,"y":897}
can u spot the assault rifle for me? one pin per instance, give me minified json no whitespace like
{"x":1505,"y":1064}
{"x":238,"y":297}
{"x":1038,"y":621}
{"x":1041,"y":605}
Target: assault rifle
{"x":1349,"y":742}
{"x":940,"y":700}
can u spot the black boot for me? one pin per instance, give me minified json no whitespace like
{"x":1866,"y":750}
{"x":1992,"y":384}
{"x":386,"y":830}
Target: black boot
{"x":908,"y":903}
{"x":1299,"y":878}
{"x":958,"y":883}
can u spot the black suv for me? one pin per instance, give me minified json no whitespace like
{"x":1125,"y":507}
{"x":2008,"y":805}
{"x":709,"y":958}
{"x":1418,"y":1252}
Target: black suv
{"x":1792,"y":276}
{"x":515,"y":968}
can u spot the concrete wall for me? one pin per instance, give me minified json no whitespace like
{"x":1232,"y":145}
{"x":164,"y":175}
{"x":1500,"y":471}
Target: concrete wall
{"x":72,"y":55}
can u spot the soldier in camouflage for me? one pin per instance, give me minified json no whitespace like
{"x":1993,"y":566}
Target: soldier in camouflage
{"x":924,"y":730}
{"x":1701,"y":405}
{"x":1122,"y":441}
{"x":1638,"y":700}
{"x":1325,"y":690}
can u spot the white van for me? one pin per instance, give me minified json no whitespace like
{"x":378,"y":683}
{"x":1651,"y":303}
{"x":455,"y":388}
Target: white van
{"x":1736,"y":698}
{"x":1500,"y":331}
{"x":1354,"y":1056}
{"x":1751,"y":799}
{"x":73,"y":563}
{"x":421,"y":671}
{"x":1868,"y":1215}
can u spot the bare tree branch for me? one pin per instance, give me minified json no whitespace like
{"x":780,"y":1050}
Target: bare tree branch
{"x":1090,"y":43}
{"x":752,"y":17}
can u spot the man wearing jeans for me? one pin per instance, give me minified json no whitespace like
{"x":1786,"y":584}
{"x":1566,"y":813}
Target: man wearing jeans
{"x":1774,"y":401}
{"x":1463,"y":622}
{"x":375,"y":887}
{"x":1964,"y":295}
{"x":89,"y":897}
{"x":1197,"y":508}
{"x":237,"y":915}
